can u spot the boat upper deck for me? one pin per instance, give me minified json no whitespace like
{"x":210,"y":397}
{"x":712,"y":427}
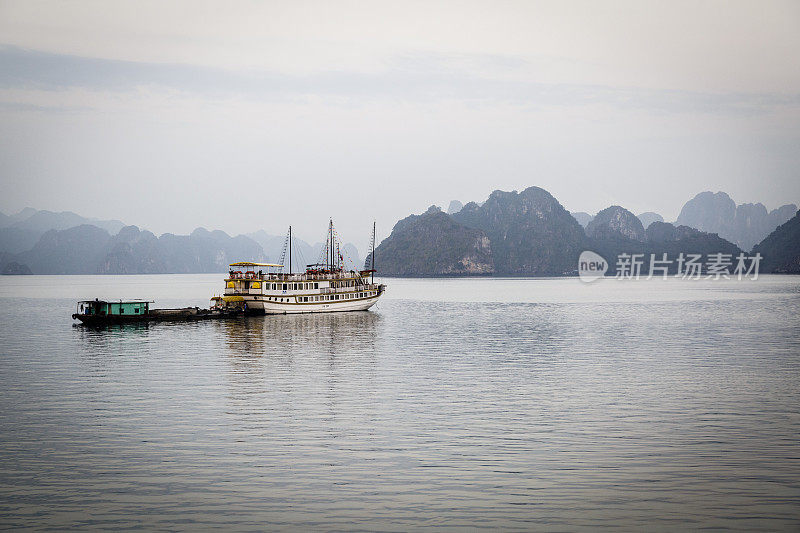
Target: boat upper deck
{"x":248,"y":272}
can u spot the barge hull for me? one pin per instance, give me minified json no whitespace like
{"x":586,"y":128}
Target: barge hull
{"x":156,"y":315}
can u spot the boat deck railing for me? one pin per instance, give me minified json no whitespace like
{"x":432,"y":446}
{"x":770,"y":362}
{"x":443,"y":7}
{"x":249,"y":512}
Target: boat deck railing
{"x":325,"y":290}
{"x":273,"y":276}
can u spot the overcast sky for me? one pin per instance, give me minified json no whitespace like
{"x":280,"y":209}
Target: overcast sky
{"x":248,"y":115}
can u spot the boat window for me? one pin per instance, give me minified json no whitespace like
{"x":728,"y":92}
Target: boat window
{"x":316,"y":285}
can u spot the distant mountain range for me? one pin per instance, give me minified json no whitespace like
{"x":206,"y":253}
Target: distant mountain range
{"x":19,"y":232}
{"x":530,"y":233}
{"x":511,"y":233}
{"x":43,"y":242}
{"x":745,"y":224}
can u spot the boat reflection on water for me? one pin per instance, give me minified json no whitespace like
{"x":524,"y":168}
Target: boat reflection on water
{"x":298,"y":362}
{"x":307,"y":334}
{"x":113,"y":339}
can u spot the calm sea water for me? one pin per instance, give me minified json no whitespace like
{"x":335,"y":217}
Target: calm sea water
{"x":523,"y":404}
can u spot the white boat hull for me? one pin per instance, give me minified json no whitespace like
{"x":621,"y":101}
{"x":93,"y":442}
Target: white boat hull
{"x":285,"y":308}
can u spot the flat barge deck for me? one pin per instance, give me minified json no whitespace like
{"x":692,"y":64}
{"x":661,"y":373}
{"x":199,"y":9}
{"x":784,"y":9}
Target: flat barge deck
{"x":101,"y":312}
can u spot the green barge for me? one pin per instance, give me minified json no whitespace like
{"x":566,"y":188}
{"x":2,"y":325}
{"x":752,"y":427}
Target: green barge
{"x":101,"y":312}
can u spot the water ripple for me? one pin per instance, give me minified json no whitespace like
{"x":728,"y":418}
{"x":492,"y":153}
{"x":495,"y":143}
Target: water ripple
{"x":550,"y":406}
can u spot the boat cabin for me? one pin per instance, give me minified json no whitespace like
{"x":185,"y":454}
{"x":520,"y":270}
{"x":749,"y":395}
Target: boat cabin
{"x":122,"y":308}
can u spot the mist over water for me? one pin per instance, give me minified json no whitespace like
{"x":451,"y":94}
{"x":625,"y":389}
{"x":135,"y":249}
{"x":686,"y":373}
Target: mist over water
{"x":510,"y":403}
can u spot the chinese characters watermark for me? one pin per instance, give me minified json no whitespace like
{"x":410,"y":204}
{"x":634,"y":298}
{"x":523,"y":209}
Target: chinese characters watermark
{"x":716,"y":266}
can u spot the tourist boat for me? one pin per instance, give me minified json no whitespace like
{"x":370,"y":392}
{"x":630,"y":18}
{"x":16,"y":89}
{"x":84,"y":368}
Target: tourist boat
{"x":324,"y":287}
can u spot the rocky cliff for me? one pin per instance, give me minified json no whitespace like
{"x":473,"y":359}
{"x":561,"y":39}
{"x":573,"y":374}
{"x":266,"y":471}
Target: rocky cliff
{"x":433,"y":244}
{"x":530,"y":232}
{"x":615,"y":222}
{"x":662,"y":238}
{"x":781,"y":249}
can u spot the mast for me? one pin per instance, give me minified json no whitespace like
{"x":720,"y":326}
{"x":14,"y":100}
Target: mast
{"x":290,"y":250}
{"x":372,"y":274}
{"x":333,"y":262}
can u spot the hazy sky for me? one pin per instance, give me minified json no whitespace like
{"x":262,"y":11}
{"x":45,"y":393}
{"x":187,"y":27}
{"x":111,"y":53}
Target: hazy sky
{"x":248,"y":115}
